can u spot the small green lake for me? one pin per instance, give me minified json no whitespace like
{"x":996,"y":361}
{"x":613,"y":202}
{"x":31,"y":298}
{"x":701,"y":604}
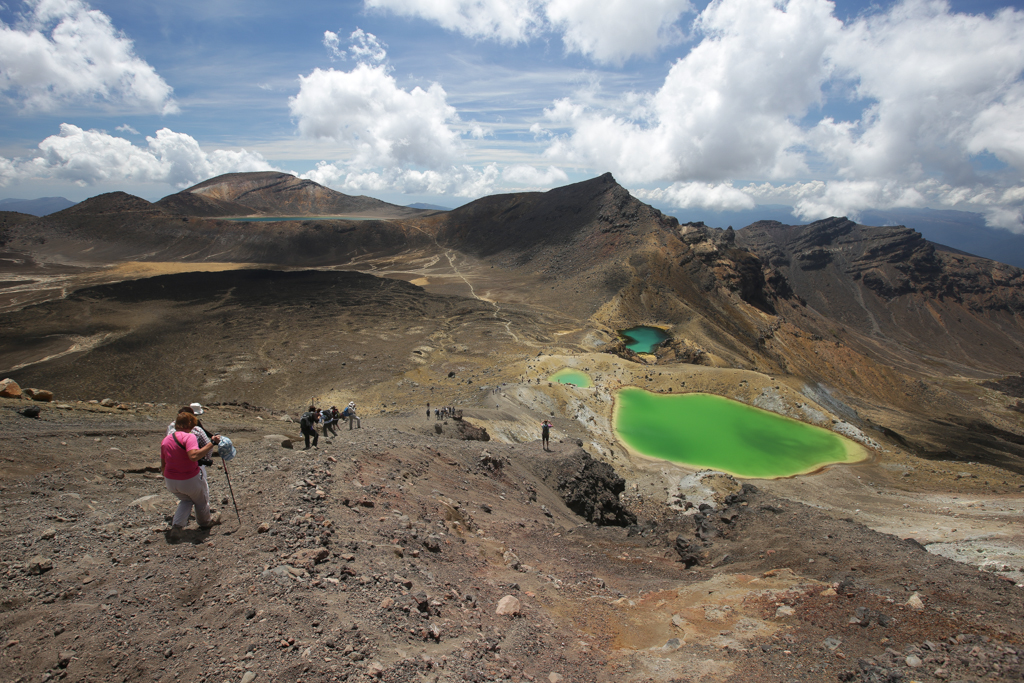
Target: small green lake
{"x":571,"y":376}
{"x":643,"y":339}
{"x":703,"y":430}
{"x":278,"y":219}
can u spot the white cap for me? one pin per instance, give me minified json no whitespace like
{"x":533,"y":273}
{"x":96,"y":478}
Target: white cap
{"x":352,"y":404}
{"x":196,"y":408}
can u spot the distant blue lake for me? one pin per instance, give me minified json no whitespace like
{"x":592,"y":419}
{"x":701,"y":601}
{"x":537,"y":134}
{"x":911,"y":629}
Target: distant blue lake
{"x":278,"y":219}
{"x":643,"y":339}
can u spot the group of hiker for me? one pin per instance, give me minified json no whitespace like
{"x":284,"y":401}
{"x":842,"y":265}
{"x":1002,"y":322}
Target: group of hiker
{"x":185,"y":453}
{"x":441,"y":413}
{"x":327,"y":418}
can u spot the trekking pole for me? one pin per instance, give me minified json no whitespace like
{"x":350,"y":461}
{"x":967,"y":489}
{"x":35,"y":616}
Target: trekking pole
{"x":224,"y":462}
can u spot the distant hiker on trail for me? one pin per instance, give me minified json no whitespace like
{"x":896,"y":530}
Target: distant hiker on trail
{"x":428,"y":411}
{"x":328,"y":420}
{"x":350,"y":413}
{"x":307,"y":423}
{"x":545,"y":434}
{"x":179,"y":456}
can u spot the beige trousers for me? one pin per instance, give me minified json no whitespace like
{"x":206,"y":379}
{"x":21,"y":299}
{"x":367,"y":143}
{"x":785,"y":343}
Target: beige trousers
{"x":194,"y":491}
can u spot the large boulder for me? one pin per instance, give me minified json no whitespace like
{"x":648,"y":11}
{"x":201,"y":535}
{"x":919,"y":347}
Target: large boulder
{"x":38,"y":394}
{"x":9,"y":389}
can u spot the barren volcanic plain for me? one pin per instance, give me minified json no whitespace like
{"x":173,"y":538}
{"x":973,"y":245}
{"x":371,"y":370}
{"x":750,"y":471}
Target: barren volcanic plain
{"x":384,"y":553}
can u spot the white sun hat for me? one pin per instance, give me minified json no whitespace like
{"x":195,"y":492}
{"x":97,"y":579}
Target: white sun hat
{"x":196,"y":408}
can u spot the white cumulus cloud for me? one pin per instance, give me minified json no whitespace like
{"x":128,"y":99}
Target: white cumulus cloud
{"x":940,"y":86}
{"x":610,"y":31}
{"x":523,"y":174}
{"x":926,"y":93}
{"x":696,"y":195}
{"x":507,"y":21}
{"x":383,"y":124}
{"x":613,"y":31}
{"x":729,"y":108}
{"x":458,"y":181}
{"x":63,"y":52}
{"x":87,"y":157}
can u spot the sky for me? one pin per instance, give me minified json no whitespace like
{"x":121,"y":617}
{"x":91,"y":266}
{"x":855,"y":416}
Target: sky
{"x":832,"y":108}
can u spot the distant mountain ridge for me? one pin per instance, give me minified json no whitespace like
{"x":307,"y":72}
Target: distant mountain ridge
{"x":889,"y":283}
{"x":963,"y":230}
{"x":274,"y":193}
{"x":429,"y":207}
{"x":36,"y":207}
{"x":604,"y":255}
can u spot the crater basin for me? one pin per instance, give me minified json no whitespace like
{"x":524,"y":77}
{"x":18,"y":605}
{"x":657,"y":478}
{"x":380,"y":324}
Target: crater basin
{"x":703,"y":430}
{"x":643,"y":339}
{"x":572,"y":376}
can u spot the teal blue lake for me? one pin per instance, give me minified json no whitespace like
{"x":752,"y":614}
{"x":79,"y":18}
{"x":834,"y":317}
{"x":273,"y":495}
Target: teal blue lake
{"x":643,"y":339}
{"x":278,"y":219}
{"x":703,"y":430}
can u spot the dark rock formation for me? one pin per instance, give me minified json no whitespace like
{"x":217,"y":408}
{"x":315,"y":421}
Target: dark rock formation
{"x":589,"y":487}
{"x":690,"y":554}
{"x":471,"y":432}
{"x":1011,"y":386}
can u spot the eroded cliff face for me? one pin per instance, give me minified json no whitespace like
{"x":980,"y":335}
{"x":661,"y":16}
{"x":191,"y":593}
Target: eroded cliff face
{"x":895,"y":295}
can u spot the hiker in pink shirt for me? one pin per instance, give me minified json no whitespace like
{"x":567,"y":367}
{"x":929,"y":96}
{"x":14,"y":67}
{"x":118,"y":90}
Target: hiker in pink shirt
{"x":183,"y":477}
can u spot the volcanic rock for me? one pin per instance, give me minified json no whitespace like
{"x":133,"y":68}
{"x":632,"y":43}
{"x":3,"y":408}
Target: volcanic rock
{"x":39,"y":565}
{"x":589,"y":487}
{"x":508,"y":606}
{"x":9,"y":389}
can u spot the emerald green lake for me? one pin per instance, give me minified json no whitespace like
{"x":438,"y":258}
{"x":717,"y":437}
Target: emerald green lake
{"x":643,"y":339}
{"x":575,"y":377}
{"x":278,"y":219}
{"x":703,"y":430}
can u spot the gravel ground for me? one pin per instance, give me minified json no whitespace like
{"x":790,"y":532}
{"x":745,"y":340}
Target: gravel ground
{"x":384,"y":555}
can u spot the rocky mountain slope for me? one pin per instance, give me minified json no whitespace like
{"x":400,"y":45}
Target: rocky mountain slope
{"x":117,"y":227}
{"x":282,"y":194}
{"x":877,"y":316}
{"x":895,"y":295}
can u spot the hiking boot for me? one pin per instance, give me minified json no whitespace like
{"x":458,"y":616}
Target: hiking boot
{"x":175,"y":534}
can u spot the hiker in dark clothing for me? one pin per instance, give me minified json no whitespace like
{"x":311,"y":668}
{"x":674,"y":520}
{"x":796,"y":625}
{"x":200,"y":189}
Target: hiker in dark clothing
{"x":307,"y":423}
{"x":329,"y":420}
{"x":545,"y":434}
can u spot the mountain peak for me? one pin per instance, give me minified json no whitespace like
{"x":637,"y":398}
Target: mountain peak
{"x":277,"y":193}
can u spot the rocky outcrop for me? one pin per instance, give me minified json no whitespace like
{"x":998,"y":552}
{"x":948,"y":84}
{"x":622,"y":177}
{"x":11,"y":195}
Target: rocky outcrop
{"x":589,"y":487}
{"x":1011,"y":386}
{"x":471,"y":432}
